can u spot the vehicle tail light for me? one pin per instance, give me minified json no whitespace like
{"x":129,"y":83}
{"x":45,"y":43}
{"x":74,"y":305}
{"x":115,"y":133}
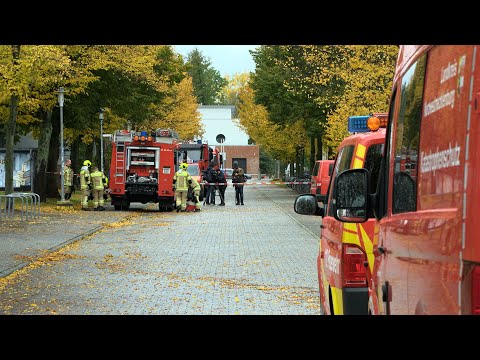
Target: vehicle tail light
{"x":353,"y":268}
{"x":476,"y":291}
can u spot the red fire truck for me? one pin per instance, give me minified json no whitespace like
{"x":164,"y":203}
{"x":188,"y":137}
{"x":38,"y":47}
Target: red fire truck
{"x":194,"y":152}
{"x":142,"y":168}
{"x":427,"y":235}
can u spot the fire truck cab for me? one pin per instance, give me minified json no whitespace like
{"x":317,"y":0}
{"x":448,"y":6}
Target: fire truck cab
{"x":197,"y":155}
{"x":142,"y":168}
{"x":428,"y":244}
{"x":345,"y":261}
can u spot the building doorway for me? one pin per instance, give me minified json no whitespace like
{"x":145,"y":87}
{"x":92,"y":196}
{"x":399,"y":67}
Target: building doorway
{"x":242,"y":162}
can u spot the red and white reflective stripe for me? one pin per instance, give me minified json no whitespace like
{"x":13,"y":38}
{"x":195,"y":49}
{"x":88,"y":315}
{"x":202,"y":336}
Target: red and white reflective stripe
{"x":263,"y":183}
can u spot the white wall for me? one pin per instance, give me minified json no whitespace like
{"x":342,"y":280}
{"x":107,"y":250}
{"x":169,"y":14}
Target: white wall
{"x":217,"y":119}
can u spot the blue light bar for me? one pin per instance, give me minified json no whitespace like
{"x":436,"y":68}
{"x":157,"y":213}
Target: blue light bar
{"x":143,"y":133}
{"x":358,"y":124}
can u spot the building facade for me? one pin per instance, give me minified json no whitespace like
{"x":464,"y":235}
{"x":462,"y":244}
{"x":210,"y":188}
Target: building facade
{"x":219,"y":123}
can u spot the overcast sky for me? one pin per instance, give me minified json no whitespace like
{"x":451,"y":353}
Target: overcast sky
{"x":227,"y":59}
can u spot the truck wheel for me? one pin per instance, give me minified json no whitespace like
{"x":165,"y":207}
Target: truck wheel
{"x":117,"y":207}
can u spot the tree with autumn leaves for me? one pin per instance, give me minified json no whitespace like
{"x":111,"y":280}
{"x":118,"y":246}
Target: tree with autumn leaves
{"x":144,"y":86}
{"x":344,"y":81}
{"x":305,"y":93}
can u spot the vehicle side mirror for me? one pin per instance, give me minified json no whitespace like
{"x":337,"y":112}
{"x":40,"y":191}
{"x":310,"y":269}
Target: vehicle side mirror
{"x":350,"y":196}
{"x":307,"y":204}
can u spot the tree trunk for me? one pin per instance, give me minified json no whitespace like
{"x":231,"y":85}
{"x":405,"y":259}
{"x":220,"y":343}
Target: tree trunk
{"x":94,"y":158}
{"x":40,"y":179}
{"x":9,"y":142}
{"x":319,"y":147}
{"x":297,"y":162}
{"x":312,"y":154}
{"x":74,"y":156}
{"x":53,"y":169}
{"x":10,"y":127}
{"x":88,"y":154}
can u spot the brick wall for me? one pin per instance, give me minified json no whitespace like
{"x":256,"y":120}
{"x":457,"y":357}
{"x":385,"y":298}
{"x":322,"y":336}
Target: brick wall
{"x":249,"y":152}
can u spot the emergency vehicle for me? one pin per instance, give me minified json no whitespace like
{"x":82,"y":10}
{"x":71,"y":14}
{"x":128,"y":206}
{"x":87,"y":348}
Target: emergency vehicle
{"x":198,"y":154}
{"x":345,"y":262}
{"x":142,"y":168}
{"x":427,"y":243}
{"x":321,"y":178}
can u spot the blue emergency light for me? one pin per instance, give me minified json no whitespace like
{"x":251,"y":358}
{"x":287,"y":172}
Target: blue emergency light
{"x":358,"y":123}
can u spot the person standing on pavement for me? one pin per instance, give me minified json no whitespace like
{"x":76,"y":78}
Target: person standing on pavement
{"x":97,"y":179}
{"x":221,"y":184}
{"x":68,"y":179}
{"x":195,"y":186}
{"x":211,"y":178}
{"x":181,"y":180}
{"x":238,"y":180}
{"x":85,"y":185}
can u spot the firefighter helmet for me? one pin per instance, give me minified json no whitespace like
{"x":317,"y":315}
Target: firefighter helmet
{"x":184,"y":166}
{"x":87,"y":163}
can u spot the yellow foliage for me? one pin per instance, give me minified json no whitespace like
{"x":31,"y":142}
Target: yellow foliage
{"x":181,"y":113}
{"x":369,"y":74}
{"x":355,"y":80}
{"x":253,"y":119}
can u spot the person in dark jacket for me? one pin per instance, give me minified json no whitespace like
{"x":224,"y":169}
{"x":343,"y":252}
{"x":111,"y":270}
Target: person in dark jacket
{"x":222,"y":184}
{"x":238,"y":179}
{"x":210,"y":176}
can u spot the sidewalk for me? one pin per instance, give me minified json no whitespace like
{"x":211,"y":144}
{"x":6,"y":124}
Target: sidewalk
{"x":21,"y":242}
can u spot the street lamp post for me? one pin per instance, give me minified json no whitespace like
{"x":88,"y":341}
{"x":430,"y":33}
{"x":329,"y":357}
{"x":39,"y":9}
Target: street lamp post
{"x":100,"y":116}
{"x":61,"y":98}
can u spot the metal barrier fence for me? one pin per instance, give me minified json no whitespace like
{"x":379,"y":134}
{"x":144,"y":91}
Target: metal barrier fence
{"x":300,"y":184}
{"x":30,"y":205}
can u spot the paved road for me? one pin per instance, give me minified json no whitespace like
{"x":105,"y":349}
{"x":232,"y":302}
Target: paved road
{"x":259,"y":258}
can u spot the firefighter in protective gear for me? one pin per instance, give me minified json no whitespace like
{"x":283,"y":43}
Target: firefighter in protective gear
{"x":195,"y":186}
{"x":181,"y":180}
{"x":97,"y":179}
{"x":85,"y":183}
{"x":68,"y":179}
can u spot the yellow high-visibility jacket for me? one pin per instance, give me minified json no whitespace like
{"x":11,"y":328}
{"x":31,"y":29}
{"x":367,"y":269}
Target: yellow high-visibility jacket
{"x":181,"y":180}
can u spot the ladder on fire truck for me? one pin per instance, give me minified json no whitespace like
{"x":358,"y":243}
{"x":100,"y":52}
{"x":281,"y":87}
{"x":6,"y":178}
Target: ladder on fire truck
{"x":121,"y":136}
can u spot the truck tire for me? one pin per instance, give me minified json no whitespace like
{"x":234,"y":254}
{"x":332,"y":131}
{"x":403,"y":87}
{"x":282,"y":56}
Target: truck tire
{"x":117,"y":207}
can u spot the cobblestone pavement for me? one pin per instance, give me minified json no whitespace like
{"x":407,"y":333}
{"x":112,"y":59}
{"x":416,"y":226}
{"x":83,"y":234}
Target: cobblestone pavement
{"x":259,"y":258}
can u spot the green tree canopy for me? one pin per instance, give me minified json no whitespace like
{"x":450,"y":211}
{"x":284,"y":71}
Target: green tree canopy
{"x":207,"y":81}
